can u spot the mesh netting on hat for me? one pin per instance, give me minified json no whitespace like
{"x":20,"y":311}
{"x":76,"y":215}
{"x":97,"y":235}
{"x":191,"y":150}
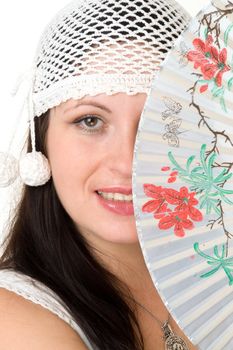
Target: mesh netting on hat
{"x":104,"y":46}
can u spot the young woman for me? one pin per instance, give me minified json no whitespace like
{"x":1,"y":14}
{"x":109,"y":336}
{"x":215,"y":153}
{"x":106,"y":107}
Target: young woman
{"x":72,"y":253}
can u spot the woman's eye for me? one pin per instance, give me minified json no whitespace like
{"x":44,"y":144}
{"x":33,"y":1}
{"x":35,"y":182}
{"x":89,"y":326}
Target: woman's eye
{"x":90,"y":124}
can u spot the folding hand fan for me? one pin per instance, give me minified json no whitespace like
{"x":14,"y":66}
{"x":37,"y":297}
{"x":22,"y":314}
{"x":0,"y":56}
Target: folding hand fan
{"x":183,"y":179}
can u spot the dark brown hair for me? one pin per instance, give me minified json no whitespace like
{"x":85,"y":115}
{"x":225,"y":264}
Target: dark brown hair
{"x":44,"y":243}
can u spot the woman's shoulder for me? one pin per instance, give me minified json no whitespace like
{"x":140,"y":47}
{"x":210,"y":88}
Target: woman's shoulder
{"x":24,"y":322}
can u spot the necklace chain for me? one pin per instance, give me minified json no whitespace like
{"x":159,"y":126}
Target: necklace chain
{"x":152,"y":315}
{"x":172,"y":341}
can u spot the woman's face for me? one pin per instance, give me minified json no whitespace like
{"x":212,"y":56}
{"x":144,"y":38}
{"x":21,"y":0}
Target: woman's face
{"x":90,"y":144}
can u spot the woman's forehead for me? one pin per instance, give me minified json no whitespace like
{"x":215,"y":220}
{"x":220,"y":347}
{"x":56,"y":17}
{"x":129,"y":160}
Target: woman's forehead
{"x":102,"y":100}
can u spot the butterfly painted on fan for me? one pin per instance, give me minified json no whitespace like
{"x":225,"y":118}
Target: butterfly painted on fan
{"x":172,"y":133}
{"x":173,"y":108}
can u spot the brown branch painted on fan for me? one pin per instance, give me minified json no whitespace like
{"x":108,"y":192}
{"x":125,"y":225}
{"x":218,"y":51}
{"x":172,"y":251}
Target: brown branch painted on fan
{"x":229,"y":165}
{"x":227,"y":138}
{"x":207,"y":20}
{"x":220,"y":219}
{"x":202,"y":115}
{"x":204,"y":122}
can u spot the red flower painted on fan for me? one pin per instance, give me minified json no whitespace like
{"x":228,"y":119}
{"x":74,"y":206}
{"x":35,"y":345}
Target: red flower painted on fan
{"x":161,"y":211}
{"x":173,"y":177}
{"x":156,"y":192}
{"x":177,"y":219}
{"x":184,"y":202}
{"x":213,"y":64}
{"x":157,"y":205}
{"x":202,"y":53}
{"x":180,"y":216}
{"x":165,"y":168}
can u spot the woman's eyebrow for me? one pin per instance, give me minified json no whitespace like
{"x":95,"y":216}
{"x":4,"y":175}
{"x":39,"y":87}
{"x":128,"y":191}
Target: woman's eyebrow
{"x":89,"y":103}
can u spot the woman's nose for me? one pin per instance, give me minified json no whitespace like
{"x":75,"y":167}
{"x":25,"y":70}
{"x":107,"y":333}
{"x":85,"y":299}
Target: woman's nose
{"x":122,"y":152}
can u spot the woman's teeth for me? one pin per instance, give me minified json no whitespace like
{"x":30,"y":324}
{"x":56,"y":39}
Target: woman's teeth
{"x":116,"y":196}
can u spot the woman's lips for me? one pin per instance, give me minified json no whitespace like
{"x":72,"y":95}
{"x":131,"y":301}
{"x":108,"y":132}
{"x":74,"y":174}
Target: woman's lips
{"x":118,"y":207}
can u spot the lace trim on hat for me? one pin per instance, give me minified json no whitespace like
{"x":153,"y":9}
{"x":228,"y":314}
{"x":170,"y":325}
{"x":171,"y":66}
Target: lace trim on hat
{"x":78,"y":87}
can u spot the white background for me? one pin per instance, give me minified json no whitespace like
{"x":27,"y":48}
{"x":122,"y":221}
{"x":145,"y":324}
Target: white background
{"x":21,"y":24}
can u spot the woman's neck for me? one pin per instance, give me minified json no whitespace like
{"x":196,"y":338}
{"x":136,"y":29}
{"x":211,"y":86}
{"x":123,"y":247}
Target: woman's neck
{"x":126,"y":262}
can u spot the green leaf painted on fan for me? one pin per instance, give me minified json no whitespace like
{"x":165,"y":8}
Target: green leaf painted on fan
{"x":202,"y":157}
{"x":177,"y":166}
{"x":226,"y":191}
{"x":207,"y":186}
{"x":213,"y":194}
{"x":205,"y":81}
{"x":196,"y":169}
{"x":218,"y":260}
{"x":230,"y":83}
{"x":226,"y":34}
{"x":210,"y":164}
{"x":205,"y":33}
{"x":189,"y":162}
{"x":225,"y":199}
{"x":210,"y":273}
{"x":223,"y":104}
{"x":221,"y":177}
{"x":217,"y":91}
{"x":217,"y":210}
{"x":216,"y":253}
{"x":221,"y":190}
{"x":199,"y":177}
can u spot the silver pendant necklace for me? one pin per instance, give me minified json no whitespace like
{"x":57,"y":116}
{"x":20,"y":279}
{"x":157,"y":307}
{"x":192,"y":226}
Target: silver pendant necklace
{"x":172,"y":340}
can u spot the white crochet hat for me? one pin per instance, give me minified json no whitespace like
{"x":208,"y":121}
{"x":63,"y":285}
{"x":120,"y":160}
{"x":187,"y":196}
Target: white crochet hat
{"x":93,"y":47}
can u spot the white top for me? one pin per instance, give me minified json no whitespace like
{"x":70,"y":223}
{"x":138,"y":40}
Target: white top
{"x":38,"y":293}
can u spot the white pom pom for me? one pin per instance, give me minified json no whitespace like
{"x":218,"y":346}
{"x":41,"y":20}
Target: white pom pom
{"x":8,"y":169}
{"x":34,"y":169}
